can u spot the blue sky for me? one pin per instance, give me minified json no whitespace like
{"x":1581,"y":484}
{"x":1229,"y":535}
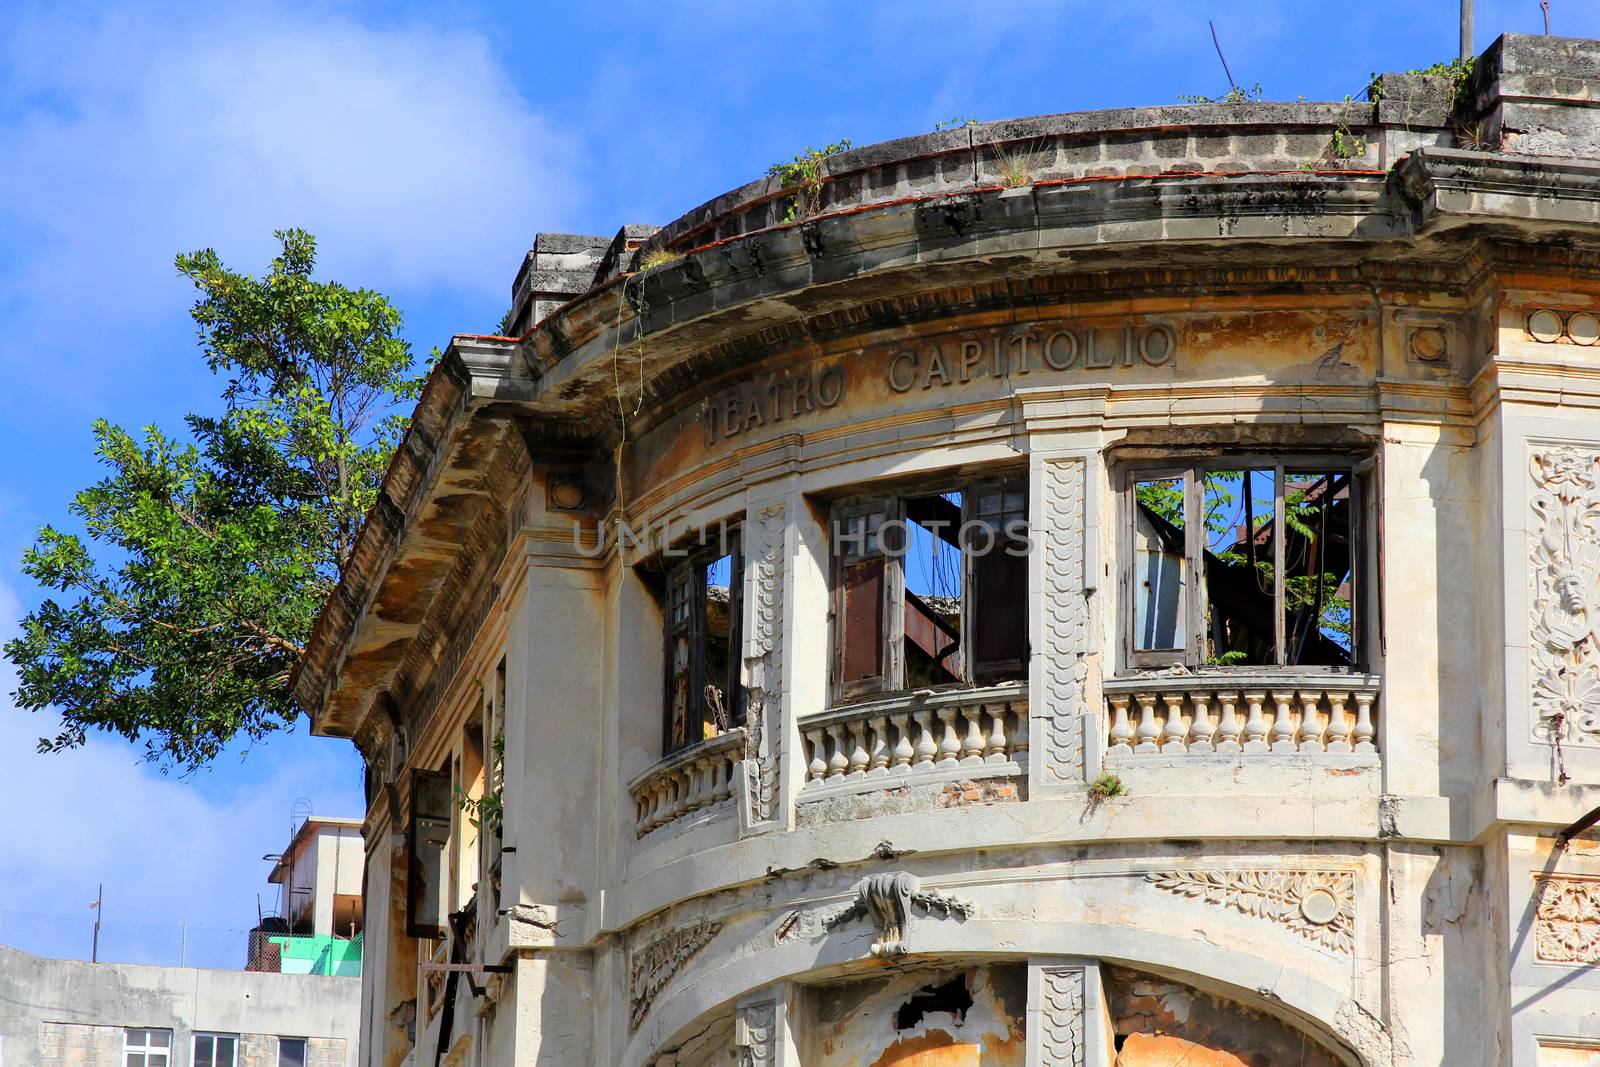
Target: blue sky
{"x":425,"y":149}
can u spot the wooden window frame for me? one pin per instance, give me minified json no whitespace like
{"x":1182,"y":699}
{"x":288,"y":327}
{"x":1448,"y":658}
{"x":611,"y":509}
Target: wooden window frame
{"x":889,"y":545}
{"x":1365,"y":605}
{"x":686,"y":577}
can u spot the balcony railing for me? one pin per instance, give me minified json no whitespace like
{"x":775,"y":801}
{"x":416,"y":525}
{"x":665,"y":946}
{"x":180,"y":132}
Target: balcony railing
{"x":1173,"y":715}
{"x":909,"y":736}
{"x":687,"y":781}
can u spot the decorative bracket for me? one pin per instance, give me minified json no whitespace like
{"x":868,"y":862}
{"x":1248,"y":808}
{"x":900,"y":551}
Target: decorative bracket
{"x":888,"y":899}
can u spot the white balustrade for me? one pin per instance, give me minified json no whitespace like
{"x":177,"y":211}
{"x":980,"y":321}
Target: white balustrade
{"x":685,"y":782}
{"x":891,"y":740}
{"x":1183,"y":714}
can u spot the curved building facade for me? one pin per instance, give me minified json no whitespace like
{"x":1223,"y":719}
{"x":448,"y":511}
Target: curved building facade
{"x":1105,"y":588}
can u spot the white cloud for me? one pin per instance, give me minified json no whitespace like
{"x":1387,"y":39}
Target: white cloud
{"x":168,"y":850}
{"x":128,"y":136}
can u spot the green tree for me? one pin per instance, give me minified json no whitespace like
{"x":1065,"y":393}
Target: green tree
{"x":204,"y":561}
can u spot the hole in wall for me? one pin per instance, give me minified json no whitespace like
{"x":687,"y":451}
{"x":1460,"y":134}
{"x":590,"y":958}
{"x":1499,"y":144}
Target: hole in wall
{"x":953,"y":997}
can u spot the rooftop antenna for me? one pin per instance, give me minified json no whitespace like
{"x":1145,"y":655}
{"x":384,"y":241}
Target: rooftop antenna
{"x":1218,"y":44}
{"x":1544,"y":6}
{"x":1466,"y":29}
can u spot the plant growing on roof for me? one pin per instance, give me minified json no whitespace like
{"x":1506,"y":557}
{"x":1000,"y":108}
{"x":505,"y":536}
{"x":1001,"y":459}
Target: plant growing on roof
{"x":1236,"y":95}
{"x":204,"y":560}
{"x":804,"y":174}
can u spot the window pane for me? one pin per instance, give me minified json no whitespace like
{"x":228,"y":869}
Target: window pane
{"x":225,"y":1046}
{"x":1317,"y":577}
{"x":934,"y":583}
{"x":1238,"y":507}
{"x":159,"y":1038}
{"x":157,"y":1059}
{"x":133,"y":1059}
{"x":1159,"y":565}
{"x":862,"y":619}
{"x":203,"y":1051}
{"x":291,"y":1052}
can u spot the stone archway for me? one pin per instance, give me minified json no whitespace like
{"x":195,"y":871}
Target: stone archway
{"x":1157,"y":1022}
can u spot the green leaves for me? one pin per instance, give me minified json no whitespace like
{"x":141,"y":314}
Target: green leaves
{"x":186,"y":602}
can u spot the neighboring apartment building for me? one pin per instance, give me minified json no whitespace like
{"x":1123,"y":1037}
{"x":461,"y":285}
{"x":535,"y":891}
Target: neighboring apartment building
{"x":295,"y":1002}
{"x":69,"y":1013}
{"x":1112,"y":587}
{"x":319,"y":879}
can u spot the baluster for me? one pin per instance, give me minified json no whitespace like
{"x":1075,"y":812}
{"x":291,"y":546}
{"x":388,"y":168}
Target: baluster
{"x":1311,"y":720}
{"x":818,"y":768}
{"x":1148,"y":730}
{"x":1177,"y":731}
{"x":1121,"y":731}
{"x":903,"y":752}
{"x":680,"y":794}
{"x":926,"y":748}
{"x":1255,"y":727}
{"x":694,"y":786}
{"x":880,"y":746}
{"x":1364,"y":726}
{"x":1229,"y":729}
{"x":949,"y":743}
{"x":838,"y":762}
{"x":1282,"y":723}
{"x":641,"y":814}
{"x":1201,"y":729}
{"x":1338,"y":724}
{"x":1019,"y":736}
{"x":726,"y":765}
{"x":858,"y":748}
{"x":972,"y":746}
{"x":995,"y":749}
{"x":662,"y":807}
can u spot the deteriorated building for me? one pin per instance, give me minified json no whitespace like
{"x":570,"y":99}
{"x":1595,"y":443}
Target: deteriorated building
{"x":1118,"y":587}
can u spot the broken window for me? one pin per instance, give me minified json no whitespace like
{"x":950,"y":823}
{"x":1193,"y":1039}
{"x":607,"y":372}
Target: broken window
{"x":704,"y":694}
{"x":1245,"y":563}
{"x":930,"y":588}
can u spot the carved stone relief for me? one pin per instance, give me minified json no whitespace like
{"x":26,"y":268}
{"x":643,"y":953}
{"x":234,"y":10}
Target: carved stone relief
{"x":755,"y":1034}
{"x":1066,"y":621}
{"x":1564,"y":594}
{"x":1567,"y":920}
{"x":887,"y":899}
{"x":1061,"y":1010}
{"x":764,"y":664}
{"x":651,"y":967}
{"x":1318,"y":905}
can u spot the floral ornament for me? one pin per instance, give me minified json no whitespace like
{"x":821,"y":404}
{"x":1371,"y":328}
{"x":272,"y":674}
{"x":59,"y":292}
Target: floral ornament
{"x":1567,"y":920}
{"x":1318,"y":905}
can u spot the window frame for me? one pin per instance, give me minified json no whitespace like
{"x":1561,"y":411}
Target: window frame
{"x":684,"y":571}
{"x":214,"y":1036}
{"x":1361,"y":468}
{"x":891,"y":546}
{"x":305,"y":1049}
{"x":145,"y":1050}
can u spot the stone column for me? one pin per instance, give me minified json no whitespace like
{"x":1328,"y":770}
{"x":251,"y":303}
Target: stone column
{"x":1068,"y":1024}
{"x":766,"y":578}
{"x":761,"y":1032}
{"x":1061,"y":719}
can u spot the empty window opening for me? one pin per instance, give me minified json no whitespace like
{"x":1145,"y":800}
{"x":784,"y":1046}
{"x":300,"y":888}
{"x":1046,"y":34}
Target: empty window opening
{"x":952,"y":998}
{"x":291,"y":1052}
{"x":930,"y":589}
{"x":1246,"y":565}
{"x":704,"y":694}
